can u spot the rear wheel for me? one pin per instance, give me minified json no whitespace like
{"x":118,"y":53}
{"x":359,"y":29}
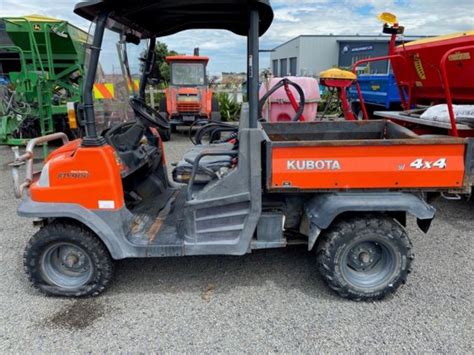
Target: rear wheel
{"x":365,"y":258}
{"x":64,"y":259}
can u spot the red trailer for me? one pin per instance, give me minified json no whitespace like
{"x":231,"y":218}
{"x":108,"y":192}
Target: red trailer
{"x":428,"y":58}
{"x":430,"y":71}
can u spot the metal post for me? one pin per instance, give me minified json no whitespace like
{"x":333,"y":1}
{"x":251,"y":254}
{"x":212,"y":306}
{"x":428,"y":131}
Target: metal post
{"x":253,"y":67}
{"x":148,"y":69}
{"x":447,"y":88}
{"x":249,"y":46}
{"x":92,"y":139}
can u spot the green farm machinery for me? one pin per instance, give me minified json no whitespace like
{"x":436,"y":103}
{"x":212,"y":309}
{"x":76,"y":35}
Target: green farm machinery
{"x":41,"y":70}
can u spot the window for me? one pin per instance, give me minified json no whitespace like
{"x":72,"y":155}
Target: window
{"x":364,"y":68}
{"x":188,"y":74}
{"x":293,"y":66}
{"x":283,"y":67}
{"x":275,"y":68}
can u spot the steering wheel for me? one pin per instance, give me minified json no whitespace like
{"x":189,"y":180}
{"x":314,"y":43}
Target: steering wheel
{"x":286,"y":83}
{"x":148,"y":115}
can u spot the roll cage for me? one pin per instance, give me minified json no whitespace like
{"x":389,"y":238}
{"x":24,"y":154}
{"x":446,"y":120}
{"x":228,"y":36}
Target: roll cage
{"x":145,"y":19}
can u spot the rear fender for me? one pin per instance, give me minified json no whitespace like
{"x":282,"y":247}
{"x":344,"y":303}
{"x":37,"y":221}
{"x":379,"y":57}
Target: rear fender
{"x":321,"y":210}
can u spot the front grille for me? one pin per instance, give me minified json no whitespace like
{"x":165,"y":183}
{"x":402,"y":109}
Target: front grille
{"x":189,"y":107}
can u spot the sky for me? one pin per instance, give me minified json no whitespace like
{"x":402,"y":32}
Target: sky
{"x":292,"y":18}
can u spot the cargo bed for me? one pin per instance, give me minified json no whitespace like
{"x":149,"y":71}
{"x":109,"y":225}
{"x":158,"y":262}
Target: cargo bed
{"x":363,"y":155}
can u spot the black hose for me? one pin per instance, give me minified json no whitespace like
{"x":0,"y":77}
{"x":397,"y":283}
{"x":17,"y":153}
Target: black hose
{"x":280,"y":84}
{"x":191,"y":127}
{"x":213,"y":130}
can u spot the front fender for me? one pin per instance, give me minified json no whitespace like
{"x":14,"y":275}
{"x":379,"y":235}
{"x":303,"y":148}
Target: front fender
{"x":321,"y":210}
{"x":109,"y":226}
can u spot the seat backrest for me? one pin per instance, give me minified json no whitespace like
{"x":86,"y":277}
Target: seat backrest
{"x":130,"y":139}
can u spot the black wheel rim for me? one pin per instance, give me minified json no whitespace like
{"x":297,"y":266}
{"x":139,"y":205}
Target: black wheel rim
{"x":66,"y":265}
{"x":369,"y":264}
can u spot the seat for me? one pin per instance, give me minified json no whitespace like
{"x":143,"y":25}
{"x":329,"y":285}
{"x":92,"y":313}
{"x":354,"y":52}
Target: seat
{"x":125,"y":137}
{"x":210,"y":167}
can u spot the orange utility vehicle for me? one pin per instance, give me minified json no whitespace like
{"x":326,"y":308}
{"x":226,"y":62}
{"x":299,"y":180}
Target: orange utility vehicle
{"x":188,"y":99}
{"x":343,"y":189}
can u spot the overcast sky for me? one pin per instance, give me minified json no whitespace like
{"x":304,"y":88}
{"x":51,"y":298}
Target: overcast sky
{"x":292,"y":18}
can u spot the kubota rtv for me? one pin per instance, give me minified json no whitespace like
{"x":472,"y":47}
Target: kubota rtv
{"x":343,"y":189}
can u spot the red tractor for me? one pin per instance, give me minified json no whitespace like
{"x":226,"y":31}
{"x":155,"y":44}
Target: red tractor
{"x":188,"y":99}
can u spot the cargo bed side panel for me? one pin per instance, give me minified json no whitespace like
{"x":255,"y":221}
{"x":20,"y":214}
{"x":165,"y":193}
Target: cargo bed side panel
{"x":406,"y":166}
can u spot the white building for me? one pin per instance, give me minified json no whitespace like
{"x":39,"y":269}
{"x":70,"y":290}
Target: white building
{"x":308,"y":55}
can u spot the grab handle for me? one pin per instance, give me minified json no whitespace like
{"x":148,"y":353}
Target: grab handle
{"x":27,"y":159}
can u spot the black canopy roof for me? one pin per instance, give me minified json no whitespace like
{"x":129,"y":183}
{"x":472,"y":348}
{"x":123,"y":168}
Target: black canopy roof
{"x":166,"y":17}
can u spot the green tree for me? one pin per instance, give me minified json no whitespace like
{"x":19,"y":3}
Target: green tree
{"x":162,"y":52}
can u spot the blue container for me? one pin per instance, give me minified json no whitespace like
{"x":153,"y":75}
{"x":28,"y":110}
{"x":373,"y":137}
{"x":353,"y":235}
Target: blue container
{"x":377,"y":89}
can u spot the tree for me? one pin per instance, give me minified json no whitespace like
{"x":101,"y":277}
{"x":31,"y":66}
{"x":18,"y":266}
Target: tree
{"x":162,"y":52}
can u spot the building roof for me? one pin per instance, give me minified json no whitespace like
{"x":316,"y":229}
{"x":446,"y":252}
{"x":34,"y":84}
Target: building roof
{"x":351,"y":38}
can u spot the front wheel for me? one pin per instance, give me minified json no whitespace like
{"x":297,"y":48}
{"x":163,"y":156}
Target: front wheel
{"x":64,"y":259}
{"x":365,"y":258}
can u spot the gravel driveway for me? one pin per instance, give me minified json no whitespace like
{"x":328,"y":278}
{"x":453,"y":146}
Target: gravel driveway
{"x":269,"y":301}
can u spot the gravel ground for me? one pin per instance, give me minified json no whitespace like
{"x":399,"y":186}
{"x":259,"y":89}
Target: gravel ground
{"x":269,"y":301}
